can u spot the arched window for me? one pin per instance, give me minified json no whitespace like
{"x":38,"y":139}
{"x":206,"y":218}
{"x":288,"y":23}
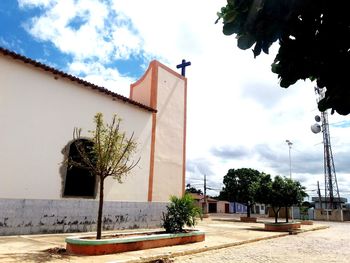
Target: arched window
{"x":79,"y":181}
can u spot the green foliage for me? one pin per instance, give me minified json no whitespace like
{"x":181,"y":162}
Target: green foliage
{"x":304,"y":208}
{"x":285,"y":192}
{"x":263,"y":192}
{"x":314,"y":38}
{"x":241,"y":185}
{"x":180,"y":212}
{"x":110,"y":152}
{"x":191,"y":189}
{"x":113,"y":149}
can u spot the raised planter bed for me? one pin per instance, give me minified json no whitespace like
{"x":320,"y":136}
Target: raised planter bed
{"x":88,"y":245}
{"x":248,"y":219}
{"x":281,"y":227}
{"x":307,"y":222}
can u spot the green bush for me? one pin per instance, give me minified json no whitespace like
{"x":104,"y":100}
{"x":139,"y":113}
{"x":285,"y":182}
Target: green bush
{"x":180,"y":212}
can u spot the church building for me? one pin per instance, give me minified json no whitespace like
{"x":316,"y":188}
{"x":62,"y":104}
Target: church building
{"x":39,"y":108}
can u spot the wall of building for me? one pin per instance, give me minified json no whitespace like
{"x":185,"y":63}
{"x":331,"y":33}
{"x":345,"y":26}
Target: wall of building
{"x":169,"y":163}
{"x":221,"y":206}
{"x":38,"y":112}
{"x":346,"y":215}
{"x":259,"y":209}
{"x":281,"y":212}
{"x":237,"y":208}
{"x":141,"y":90}
{"x":166,"y":91}
{"x":33,"y":216}
{"x":333,"y":215}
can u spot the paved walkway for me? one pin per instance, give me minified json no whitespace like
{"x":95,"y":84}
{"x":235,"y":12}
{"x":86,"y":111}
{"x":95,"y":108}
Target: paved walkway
{"x":331,"y":245}
{"x":221,"y":231}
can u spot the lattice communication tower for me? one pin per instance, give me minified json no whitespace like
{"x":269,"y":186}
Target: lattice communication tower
{"x":332,"y":197}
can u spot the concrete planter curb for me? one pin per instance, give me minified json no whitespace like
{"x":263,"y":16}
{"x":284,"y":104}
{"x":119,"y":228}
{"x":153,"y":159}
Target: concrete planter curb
{"x":307,"y":222}
{"x":211,"y":248}
{"x":87,"y":245}
{"x":281,"y":227}
{"x":248,"y":219}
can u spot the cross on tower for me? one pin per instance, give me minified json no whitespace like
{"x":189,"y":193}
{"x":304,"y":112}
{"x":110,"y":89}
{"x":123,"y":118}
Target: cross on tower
{"x":183,"y":66}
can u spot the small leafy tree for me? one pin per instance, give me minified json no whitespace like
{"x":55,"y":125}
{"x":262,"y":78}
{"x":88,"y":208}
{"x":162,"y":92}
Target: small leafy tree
{"x":110,"y":155}
{"x":304,"y":208}
{"x":285,"y":192}
{"x":240,"y":185}
{"x":180,"y":212}
{"x":276,"y":196}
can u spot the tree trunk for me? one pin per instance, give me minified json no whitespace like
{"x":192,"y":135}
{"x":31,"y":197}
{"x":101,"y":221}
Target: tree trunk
{"x":100,"y":210}
{"x":276,"y":213}
{"x":287,"y":214}
{"x":248,"y":210}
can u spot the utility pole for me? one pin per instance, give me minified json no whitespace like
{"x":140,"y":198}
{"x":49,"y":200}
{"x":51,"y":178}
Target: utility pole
{"x":290,"y":159}
{"x":205,"y":195}
{"x":290,"y":171}
{"x":319,"y":194}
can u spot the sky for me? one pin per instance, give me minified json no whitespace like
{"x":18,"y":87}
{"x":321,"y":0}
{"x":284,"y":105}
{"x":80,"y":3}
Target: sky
{"x":238,"y":116}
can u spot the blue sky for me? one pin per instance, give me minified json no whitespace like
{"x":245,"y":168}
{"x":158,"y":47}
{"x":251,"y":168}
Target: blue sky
{"x":15,"y":35}
{"x":238,"y":116}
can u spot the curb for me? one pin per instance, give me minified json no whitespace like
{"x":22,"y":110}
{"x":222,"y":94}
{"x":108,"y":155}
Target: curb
{"x":205,"y":249}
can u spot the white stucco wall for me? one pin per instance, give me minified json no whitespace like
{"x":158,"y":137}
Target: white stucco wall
{"x":166,"y":92}
{"x":169,"y":147}
{"x":37,"y":117}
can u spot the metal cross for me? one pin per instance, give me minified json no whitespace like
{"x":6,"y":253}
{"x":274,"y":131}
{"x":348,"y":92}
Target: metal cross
{"x":183,"y":66}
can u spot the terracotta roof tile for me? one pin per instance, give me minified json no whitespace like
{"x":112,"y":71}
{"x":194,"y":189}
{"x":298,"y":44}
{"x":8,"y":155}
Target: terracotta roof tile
{"x":82,"y":82}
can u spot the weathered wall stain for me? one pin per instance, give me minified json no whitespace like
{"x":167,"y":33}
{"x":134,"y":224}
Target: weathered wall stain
{"x":24,"y":216}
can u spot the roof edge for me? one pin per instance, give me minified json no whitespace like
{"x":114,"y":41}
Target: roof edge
{"x":72,"y":78}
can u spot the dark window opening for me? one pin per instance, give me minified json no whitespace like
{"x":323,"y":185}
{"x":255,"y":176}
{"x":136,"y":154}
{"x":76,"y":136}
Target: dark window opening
{"x":212,"y":208}
{"x":79,"y":180}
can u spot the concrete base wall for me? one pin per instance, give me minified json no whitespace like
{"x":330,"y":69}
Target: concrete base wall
{"x":346,"y":215}
{"x":333,"y":215}
{"x":29,"y":216}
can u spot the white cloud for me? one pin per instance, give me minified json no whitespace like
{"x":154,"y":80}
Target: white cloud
{"x":98,"y":33}
{"x":98,"y":74}
{"x":34,"y":3}
{"x":127,"y":42}
{"x":234,"y":102}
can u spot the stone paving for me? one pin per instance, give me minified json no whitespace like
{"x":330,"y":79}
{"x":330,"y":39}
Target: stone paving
{"x":221,"y":231}
{"x":329,"y":245}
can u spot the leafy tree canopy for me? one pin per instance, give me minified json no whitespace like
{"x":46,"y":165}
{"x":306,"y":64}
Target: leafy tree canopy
{"x":314,"y":38}
{"x":240,"y":185}
{"x":191,"y":189}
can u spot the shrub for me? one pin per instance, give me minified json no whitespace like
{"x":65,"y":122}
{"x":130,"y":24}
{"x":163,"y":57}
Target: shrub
{"x":180,"y":212}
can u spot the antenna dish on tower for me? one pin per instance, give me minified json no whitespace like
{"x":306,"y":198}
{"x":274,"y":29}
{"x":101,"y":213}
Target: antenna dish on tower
{"x":317,"y":118}
{"x":316,"y":128}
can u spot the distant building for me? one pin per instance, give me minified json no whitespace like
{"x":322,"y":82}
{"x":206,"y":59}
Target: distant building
{"x":223,"y":207}
{"x":323,"y":213}
{"x":238,"y":208}
{"x":325,"y":202}
{"x":260,"y":209}
{"x":211,"y":205}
